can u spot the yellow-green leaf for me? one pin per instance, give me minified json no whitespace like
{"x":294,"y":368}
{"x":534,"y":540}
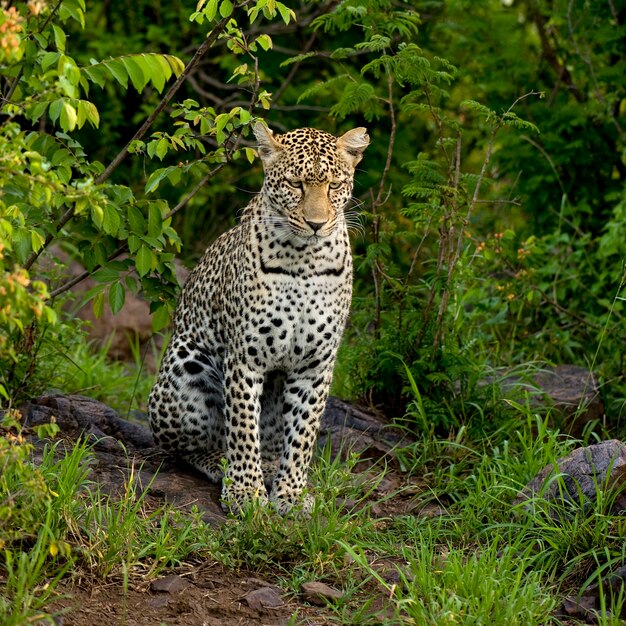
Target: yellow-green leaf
{"x":265,"y":41}
{"x":136,"y":73}
{"x":98,"y":305}
{"x":226,"y":8}
{"x":68,"y":117}
{"x":59,"y":38}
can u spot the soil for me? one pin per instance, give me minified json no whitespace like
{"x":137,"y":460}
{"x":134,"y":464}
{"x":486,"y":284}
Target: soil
{"x":205,"y":595}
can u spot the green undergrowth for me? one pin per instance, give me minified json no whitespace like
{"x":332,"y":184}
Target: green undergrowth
{"x":480,"y":559}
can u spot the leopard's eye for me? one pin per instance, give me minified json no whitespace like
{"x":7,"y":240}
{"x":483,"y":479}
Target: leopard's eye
{"x":295,"y":184}
{"x":336,"y":185}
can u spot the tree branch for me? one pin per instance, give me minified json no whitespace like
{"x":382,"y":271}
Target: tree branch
{"x":200,"y":52}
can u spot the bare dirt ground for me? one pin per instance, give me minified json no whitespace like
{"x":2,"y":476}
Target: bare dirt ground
{"x":206,"y":595}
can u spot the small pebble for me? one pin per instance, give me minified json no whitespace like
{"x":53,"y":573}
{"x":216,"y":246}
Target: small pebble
{"x":263,"y":598}
{"x":319,"y":593}
{"x":169,"y":584}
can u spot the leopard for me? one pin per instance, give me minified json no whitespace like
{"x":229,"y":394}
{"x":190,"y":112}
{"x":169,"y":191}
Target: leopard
{"x":246,"y":374}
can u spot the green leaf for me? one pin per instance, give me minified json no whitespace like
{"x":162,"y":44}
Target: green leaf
{"x":210,"y":11}
{"x":133,"y":243}
{"x":136,"y":73}
{"x":226,"y":8}
{"x":68,"y":117}
{"x":298,"y":58}
{"x":285,"y":12}
{"x":49,"y":59}
{"x":87,"y":111}
{"x":111,"y":221}
{"x":37,"y":239}
{"x":118,"y":71}
{"x":38,"y":110}
{"x":160,"y":319}
{"x":155,"y":179}
{"x":265,"y":41}
{"x":154,"y":70}
{"x":136,"y":219}
{"x":55,"y":109}
{"x":143,"y":260}
{"x":162,"y":147}
{"x":73,"y":9}
{"x":59,"y":38}
{"x":155,"y":221}
{"x":166,"y":69}
{"x":21,"y":243}
{"x":117,"y":296}
{"x":96,"y":74}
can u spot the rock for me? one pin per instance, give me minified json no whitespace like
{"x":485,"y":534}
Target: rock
{"x":119,"y":447}
{"x":354,"y":429}
{"x":587,"y":605}
{"x":264,"y":598}
{"x":320,"y":593}
{"x":158,"y":602}
{"x":170,"y":584}
{"x":77,"y":415}
{"x":570,"y":392}
{"x":582,"y":608}
{"x":584,"y":471}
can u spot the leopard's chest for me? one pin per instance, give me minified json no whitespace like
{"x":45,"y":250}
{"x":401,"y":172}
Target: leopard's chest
{"x":292,"y":320}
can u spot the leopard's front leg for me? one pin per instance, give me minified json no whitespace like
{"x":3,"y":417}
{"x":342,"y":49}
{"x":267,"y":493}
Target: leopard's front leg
{"x":304,"y":400}
{"x":243,"y":481}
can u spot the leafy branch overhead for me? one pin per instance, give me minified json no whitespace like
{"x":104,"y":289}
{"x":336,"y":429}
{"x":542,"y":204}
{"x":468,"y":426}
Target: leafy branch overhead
{"x":58,"y":194}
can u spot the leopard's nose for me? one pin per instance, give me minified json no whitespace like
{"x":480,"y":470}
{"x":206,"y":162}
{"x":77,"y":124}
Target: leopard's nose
{"x":315,"y":226}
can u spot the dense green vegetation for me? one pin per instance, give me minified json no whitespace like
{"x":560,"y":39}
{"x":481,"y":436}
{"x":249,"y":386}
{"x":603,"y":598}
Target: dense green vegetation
{"x":493,"y":206}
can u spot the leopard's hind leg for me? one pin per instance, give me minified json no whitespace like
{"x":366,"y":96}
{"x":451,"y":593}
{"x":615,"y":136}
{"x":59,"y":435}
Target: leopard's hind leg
{"x":186,"y":406}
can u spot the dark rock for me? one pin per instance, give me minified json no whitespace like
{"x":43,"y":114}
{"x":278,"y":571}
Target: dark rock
{"x":582,"y":608}
{"x":77,"y":415}
{"x":170,"y":584}
{"x":158,"y":602}
{"x":119,"y":446}
{"x":571,"y":393}
{"x":320,"y":593}
{"x":264,"y":598}
{"x":587,"y":605}
{"x":354,"y":429}
{"x":599,"y":467}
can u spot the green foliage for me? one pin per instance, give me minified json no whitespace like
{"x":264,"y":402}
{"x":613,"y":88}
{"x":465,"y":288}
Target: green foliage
{"x":444,"y":585}
{"x":54,"y":192}
{"x":507,"y":153}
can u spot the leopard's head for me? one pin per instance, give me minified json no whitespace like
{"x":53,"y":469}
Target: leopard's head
{"x":309,"y":176}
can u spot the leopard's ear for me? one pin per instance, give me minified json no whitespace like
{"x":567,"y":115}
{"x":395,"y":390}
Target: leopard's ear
{"x":269,"y":149}
{"x":352,"y":145}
